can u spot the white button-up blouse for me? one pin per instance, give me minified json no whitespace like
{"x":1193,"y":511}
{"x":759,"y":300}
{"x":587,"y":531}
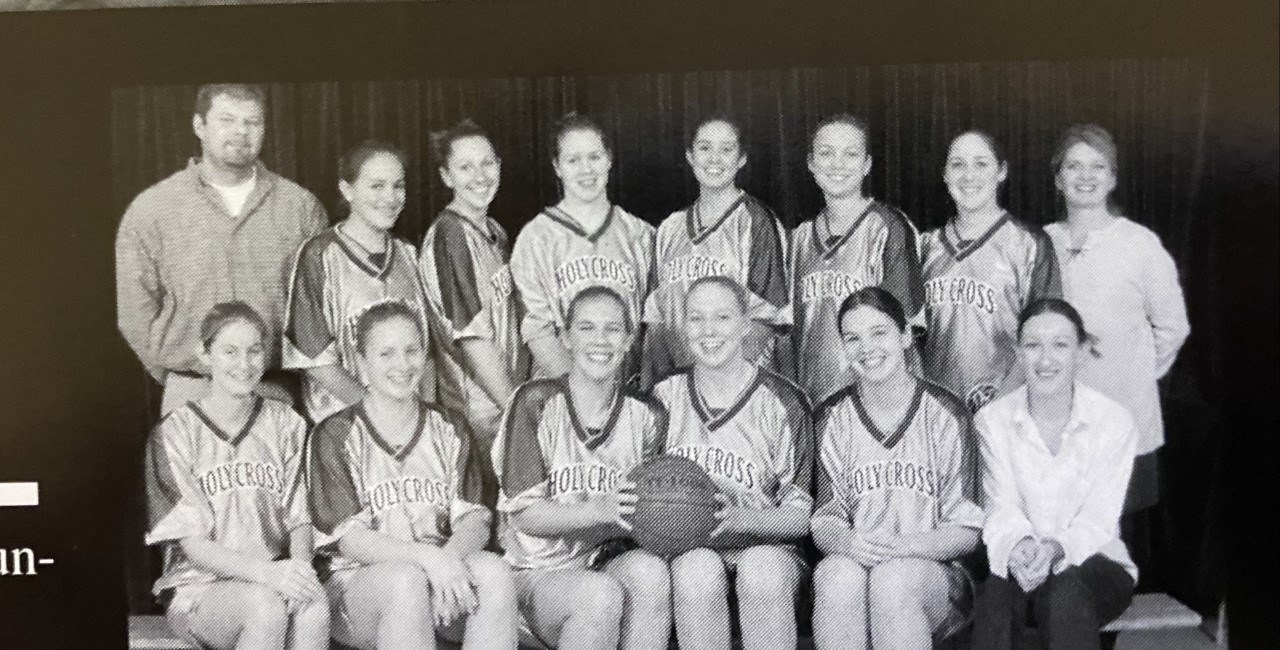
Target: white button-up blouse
{"x":1074,"y":497}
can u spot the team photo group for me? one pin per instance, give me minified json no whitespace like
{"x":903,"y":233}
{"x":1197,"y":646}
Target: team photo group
{"x":720,"y":429}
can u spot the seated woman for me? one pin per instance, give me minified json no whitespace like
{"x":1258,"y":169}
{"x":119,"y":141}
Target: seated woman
{"x":394,"y":495}
{"x":1056,"y":458}
{"x":895,"y":512}
{"x":563,"y":452}
{"x":224,"y":474}
{"x":752,"y":431}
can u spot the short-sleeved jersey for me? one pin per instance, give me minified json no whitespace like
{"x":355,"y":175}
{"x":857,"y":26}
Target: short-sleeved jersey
{"x":919,"y":477}
{"x":878,"y":249}
{"x":334,"y":281}
{"x":415,"y":492}
{"x":746,"y":243}
{"x":469,"y":285}
{"x":973,"y":293}
{"x":243,"y":490}
{"x":759,"y":451}
{"x":554,"y":259}
{"x":544,"y":453}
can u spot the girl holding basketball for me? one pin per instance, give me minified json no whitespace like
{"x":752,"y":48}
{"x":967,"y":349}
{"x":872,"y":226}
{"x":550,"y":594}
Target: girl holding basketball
{"x":395,"y":497}
{"x":750,"y":429}
{"x":855,"y":242}
{"x":980,"y":269}
{"x":895,"y":511}
{"x":341,"y":272}
{"x":228,"y":503}
{"x":564,"y":450}
{"x":725,"y":232}
{"x":584,"y":240}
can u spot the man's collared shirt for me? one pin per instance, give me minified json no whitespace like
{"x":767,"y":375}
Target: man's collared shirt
{"x":179,"y":252}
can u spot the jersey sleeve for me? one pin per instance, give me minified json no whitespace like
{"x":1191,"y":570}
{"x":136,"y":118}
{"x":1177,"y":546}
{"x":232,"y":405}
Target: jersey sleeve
{"x":767,"y":275}
{"x":293,"y":432}
{"x":334,"y":497}
{"x":1046,"y":277}
{"x":449,"y":270}
{"x":655,"y":433}
{"x":466,"y":473}
{"x":535,"y":285}
{"x":902,"y":273}
{"x":795,"y":460}
{"x":178,"y":508}
{"x":832,"y":505}
{"x":956,"y":467}
{"x":310,"y":340}
{"x":522,"y":467}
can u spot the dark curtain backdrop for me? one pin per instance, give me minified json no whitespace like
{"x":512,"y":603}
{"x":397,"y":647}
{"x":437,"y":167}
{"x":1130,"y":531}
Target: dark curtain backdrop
{"x":1158,"y":111}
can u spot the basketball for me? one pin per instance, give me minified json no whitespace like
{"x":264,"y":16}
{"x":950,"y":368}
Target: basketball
{"x":675,"y":505}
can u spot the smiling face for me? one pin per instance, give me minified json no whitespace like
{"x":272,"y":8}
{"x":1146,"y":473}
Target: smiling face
{"x":838,"y":160}
{"x":231,"y":132}
{"x":715,"y":325}
{"x":715,"y":155}
{"x":377,"y":194}
{"x":582,"y":165}
{"x":1049,"y":349}
{"x":472,"y":172}
{"x":874,"y":346}
{"x":235,"y":358}
{"x":393,"y":358}
{"x":973,"y":174}
{"x":597,"y":337}
{"x":1086,"y":177}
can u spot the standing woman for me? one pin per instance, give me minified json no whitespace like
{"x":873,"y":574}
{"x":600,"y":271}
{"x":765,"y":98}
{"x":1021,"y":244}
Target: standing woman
{"x":855,"y":242}
{"x":752,"y":431}
{"x":1126,"y":287}
{"x":566,"y":446}
{"x":395,"y":498}
{"x":725,"y":232}
{"x":228,"y":503}
{"x":980,"y":270}
{"x":896,"y":513}
{"x":582,"y":241}
{"x":1056,"y":458}
{"x":464,"y":264}
{"x":343,"y":271}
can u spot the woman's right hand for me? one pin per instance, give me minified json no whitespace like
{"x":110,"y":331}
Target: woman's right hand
{"x":453,"y":593}
{"x":294,"y":579}
{"x":614,"y":510}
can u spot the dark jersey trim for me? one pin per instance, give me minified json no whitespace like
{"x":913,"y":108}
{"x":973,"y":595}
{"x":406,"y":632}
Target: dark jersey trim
{"x":381,"y":441}
{"x":565,"y":219}
{"x":889,"y":440}
{"x":820,"y":238}
{"x":715,"y":421}
{"x":590,"y":440}
{"x":697,"y":235}
{"x":223,"y":435}
{"x":455,"y":269}
{"x":972,"y":247}
{"x":362,"y":261}
{"x":333,"y":497}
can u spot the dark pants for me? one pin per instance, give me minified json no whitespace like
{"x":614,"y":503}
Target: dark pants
{"x":1069,"y":609}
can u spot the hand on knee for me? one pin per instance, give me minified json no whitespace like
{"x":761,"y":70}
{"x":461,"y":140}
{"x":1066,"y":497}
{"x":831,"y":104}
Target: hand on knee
{"x":493,"y":580}
{"x":267,"y":613}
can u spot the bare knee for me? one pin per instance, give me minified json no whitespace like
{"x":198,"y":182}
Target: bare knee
{"x":492,"y":576}
{"x":894,"y":585}
{"x":266,"y":612}
{"x":643,"y":575}
{"x":698,"y":573}
{"x":766,"y":572}
{"x":602,"y":599}
{"x":838,"y":575}
{"x":403,"y":587}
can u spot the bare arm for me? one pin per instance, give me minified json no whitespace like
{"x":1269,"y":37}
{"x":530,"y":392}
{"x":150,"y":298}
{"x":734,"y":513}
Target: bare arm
{"x":340,"y":383}
{"x":551,"y":355}
{"x":486,"y":363}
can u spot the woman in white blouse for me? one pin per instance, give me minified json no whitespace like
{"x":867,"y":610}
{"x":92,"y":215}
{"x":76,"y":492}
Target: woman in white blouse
{"x":1056,"y":459}
{"x":1125,"y":284}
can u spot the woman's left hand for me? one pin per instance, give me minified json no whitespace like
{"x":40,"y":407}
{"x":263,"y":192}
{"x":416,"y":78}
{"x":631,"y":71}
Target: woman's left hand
{"x":733,"y":519}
